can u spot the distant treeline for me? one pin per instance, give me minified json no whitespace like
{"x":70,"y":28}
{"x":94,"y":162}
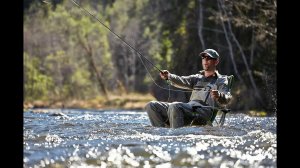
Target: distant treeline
{"x":69,"y":55}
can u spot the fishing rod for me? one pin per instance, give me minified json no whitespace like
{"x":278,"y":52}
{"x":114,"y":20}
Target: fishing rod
{"x":135,"y":50}
{"x":115,"y":34}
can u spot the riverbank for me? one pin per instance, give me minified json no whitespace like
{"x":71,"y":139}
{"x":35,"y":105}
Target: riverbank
{"x":132,"y":101}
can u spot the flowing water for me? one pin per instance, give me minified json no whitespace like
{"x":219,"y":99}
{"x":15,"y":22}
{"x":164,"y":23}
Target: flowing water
{"x":90,"y":138}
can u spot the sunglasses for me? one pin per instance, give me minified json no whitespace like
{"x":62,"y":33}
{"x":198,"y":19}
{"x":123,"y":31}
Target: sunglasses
{"x":208,"y":58}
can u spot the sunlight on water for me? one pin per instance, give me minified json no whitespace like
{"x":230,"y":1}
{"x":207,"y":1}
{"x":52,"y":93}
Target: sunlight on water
{"x":87,"y":138}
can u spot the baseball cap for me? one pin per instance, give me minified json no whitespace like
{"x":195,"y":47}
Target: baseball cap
{"x":210,"y":52}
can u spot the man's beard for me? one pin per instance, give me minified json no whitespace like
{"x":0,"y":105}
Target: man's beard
{"x":208,"y":68}
{"x":205,"y":68}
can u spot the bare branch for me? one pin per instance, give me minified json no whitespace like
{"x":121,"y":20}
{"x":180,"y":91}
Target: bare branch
{"x":200,"y":24}
{"x":230,"y":48}
{"x":221,"y":4}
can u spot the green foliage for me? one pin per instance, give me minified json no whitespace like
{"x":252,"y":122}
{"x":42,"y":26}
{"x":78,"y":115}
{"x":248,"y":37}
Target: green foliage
{"x":62,"y":44}
{"x":61,"y":41}
{"x":167,"y":50}
{"x":182,"y":28}
{"x":36,"y":84}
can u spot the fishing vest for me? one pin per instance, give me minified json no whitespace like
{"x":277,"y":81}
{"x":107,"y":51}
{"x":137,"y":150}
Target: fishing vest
{"x":200,"y":86}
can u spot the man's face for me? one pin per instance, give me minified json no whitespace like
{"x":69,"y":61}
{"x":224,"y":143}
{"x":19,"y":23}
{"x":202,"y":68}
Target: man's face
{"x":208,"y":63}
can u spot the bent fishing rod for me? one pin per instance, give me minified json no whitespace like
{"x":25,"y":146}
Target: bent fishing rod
{"x":130,"y":46}
{"x":135,"y":50}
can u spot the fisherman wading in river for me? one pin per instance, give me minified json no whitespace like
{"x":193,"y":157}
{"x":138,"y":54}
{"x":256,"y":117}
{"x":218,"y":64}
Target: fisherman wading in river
{"x":209,"y":91}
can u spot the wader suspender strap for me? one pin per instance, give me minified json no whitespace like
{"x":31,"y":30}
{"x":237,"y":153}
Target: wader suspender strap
{"x":211,"y":83}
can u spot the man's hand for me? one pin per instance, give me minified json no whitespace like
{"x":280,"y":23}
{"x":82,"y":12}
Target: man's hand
{"x":164,"y":74}
{"x":215,"y":94}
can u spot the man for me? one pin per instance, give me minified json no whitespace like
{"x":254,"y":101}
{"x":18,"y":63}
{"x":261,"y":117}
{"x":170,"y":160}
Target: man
{"x":209,"y":89}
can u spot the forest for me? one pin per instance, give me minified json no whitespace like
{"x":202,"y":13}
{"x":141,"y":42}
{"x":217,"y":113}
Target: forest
{"x":68,"y":55}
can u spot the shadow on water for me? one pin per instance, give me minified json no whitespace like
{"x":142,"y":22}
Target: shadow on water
{"x":74,"y":137}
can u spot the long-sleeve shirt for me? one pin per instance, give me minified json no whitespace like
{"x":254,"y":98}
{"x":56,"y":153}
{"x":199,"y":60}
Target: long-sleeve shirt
{"x":201,"y":85}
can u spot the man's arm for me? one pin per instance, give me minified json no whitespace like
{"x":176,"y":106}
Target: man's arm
{"x":222,"y":95}
{"x":184,"y":82}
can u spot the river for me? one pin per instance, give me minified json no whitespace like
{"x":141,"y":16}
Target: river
{"x":119,"y":138}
